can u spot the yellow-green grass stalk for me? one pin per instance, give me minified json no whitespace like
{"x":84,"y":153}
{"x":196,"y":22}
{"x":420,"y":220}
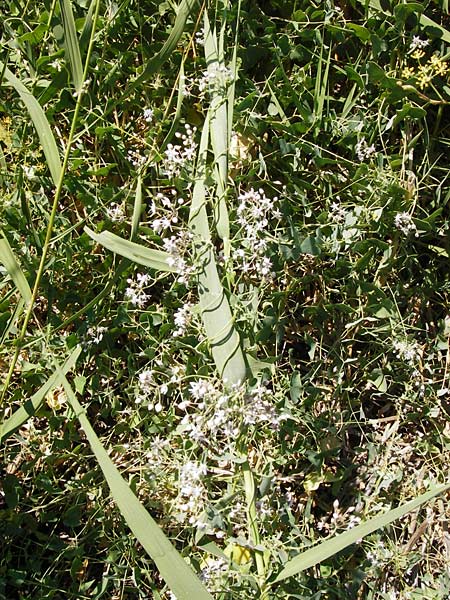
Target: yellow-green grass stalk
{"x":57,"y":171}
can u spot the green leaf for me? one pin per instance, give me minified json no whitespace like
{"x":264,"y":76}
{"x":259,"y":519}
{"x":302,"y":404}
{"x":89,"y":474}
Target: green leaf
{"x":71,"y":44}
{"x":29,"y":407}
{"x":173,"y":568}
{"x":8,"y":259}
{"x":155,"y":259}
{"x":215,"y":308}
{"x":40,"y":123}
{"x":329,"y":548}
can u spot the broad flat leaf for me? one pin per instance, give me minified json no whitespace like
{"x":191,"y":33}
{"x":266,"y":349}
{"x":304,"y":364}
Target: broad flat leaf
{"x":173,"y":568}
{"x":40,"y":123}
{"x":155,"y":259}
{"x":215,"y":308}
{"x":29,"y":407}
{"x":329,"y":548}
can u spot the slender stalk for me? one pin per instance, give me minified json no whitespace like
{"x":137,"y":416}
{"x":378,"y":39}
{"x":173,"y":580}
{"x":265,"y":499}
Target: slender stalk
{"x":252,"y":523}
{"x":51,"y":221}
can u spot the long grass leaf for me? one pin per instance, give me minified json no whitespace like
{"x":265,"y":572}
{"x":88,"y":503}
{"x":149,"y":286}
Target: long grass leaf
{"x":8,"y":259}
{"x":329,"y":548}
{"x":185,"y":8}
{"x":29,"y":407}
{"x":155,"y":259}
{"x":215,"y":309}
{"x":40,"y":123}
{"x":71,"y":46}
{"x":219,"y":133}
{"x":173,"y":568}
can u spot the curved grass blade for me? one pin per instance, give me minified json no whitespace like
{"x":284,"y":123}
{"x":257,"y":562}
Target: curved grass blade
{"x":173,"y":568}
{"x":329,"y":548}
{"x":155,"y":259}
{"x":215,"y":309}
{"x":185,"y":8}
{"x":40,"y":123}
{"x":15,"y":272}
{"x":71,"y":44}
{"x":29,"y":407}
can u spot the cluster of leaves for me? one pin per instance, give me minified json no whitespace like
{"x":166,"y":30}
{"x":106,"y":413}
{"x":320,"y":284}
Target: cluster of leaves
{"x":346,"y":335}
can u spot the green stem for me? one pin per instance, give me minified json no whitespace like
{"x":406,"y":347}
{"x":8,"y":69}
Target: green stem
{"x":51,"y":221}
{"x":252,"y":523}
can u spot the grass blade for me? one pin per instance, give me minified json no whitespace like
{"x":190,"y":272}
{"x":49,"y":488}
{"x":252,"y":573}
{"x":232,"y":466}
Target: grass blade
{"x":219,"y":135}
{"x":40,"y":123}
{"x":155,"y":259}
{"x":71,"y":44}
{"x":172,"y":567}
{"x":137,"y":209}
{"x":30,"y":406}
{"x":185,"y":8}
{"x":15,"y":272}
{"x":331,"y":547}
{"x":215,"y":309}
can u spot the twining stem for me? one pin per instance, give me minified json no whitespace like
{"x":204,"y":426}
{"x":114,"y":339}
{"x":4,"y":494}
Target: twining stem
{"x":252,"y":523}
{"x":51,"y":221}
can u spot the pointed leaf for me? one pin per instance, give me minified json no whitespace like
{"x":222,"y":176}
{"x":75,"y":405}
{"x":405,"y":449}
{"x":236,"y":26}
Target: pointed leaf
{"x":40,"y":123}
{"x":173,"y":568}
{"x":14,"y":271}
{"x":329,"y":548}
{"x":71,"y":44}
{"x":29,"y":407}
{"x":155,"y":259}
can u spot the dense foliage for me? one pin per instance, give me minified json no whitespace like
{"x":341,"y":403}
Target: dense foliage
{"x":329,"y":224}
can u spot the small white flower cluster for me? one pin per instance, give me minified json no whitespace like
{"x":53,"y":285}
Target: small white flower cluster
{"x":417,"y":43}
{"x":410,"y":352}
{"x":191,"y":490}
{"x":336,"y":213}
{"x":135,"y":292}
{"x":95,"y":335}
{"x":182,"y":319}
{"x":363,"y":150}
{"x":404,"y":223}
{"x":29,"y":172}
{"x":254,"y":211}
{"x":148,"y":115}
{"x":136,"y":158}
{"x":200,"y":37}
{"x":147,"y":389}
{"x":176,"y":246}
{"x":217,"y":417}
{"x":216,"y":78}
{"x":170,"y":207}
{"x":212,"y":574}
{"x":179,"y":155}
{"x":116,"y":212}
{"x":261,"y":409}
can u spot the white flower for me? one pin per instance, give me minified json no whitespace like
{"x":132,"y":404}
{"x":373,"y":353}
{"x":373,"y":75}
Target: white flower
{"x":148,"y":115}
{"x":363,"y":150}
{"x":199,"y":389}
{"x":96,"y":334}
{"x":116,"y":212}
{"x":403,"y":221}
{"x":417,"y":43}
{"x":182,"y":318}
